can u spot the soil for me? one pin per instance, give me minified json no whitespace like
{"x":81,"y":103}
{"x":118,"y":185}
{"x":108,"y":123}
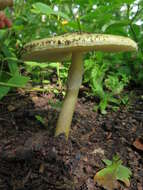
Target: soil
{"x":32,"y":159}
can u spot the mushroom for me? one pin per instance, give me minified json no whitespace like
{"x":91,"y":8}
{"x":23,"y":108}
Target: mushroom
{"x":73,"y":46}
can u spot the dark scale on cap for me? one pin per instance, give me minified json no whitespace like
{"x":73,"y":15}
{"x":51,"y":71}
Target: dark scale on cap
{"x":76,"y":39}
{"x":59,"y":42}
{"x":34,"y":44}
{"x":47,"y":42}
{"x":43,"y":43}
{"x":37,"y":44}
{"x":67,"y":42}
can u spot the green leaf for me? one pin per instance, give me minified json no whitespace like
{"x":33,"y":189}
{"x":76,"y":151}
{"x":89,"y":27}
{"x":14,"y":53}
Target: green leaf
{"x":12,"y":64}
{"x":124,"y":174}
{"x":42,"y":65}
{"x":135,"y":30}
{"x":36,"y":64}
{"x":19,"y":81}
{"x":114,"y":25}
{"x":107,"y":162}
{"x":114,"y":171}
{"x":40,"y":119}
{"x":3,"y":33}
{"x":42,"y":8}
{"x":3,"y":91}
{"x":103,"y":104}
{"x":113,"y":84}
{"x":15,"y":81}
{"x":63,"y":15}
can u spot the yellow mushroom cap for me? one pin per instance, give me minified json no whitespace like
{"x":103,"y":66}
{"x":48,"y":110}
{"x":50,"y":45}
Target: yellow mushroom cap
{"x":59,"y":48}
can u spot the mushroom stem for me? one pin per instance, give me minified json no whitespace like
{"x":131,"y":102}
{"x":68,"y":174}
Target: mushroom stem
{"x":73,"y":85}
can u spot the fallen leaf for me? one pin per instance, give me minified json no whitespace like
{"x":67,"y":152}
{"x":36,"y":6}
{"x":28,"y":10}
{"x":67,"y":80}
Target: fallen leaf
{"x":138,"y":143}
{"x":41,"y":169}
{"x":107,"y":179}
{"x":98,"y":151}
{"x":139,"y":186}
{"x":11,"y":108}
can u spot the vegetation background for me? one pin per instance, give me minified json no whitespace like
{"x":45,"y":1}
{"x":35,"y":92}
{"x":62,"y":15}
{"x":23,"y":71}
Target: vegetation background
{"x":106,"y":75}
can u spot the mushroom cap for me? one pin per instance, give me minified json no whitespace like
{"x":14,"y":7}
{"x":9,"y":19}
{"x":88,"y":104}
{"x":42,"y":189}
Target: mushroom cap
{"x":59,"y":48}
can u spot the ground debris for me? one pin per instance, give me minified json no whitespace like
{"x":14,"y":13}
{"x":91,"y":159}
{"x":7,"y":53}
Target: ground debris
{"x":31,"y":158}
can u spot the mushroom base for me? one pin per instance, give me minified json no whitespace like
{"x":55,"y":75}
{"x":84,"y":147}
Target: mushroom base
{"x":74,"y":83}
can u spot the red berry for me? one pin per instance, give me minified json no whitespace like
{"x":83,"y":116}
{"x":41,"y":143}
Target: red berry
{"x":2,"y":24}
{"x":8,"y":22}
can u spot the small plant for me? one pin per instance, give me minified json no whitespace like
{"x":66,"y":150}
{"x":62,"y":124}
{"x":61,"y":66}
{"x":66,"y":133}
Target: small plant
{"x":40,"y":119}
{"x":105,"y":85}
{"x":113,"y":172}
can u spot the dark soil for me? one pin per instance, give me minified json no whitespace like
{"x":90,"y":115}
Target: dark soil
{"x":32,"y":159}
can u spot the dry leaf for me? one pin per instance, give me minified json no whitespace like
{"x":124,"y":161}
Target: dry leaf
{"x":138,"y":143}
{"x":108,"y":181}
{"x":108,"y":177}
